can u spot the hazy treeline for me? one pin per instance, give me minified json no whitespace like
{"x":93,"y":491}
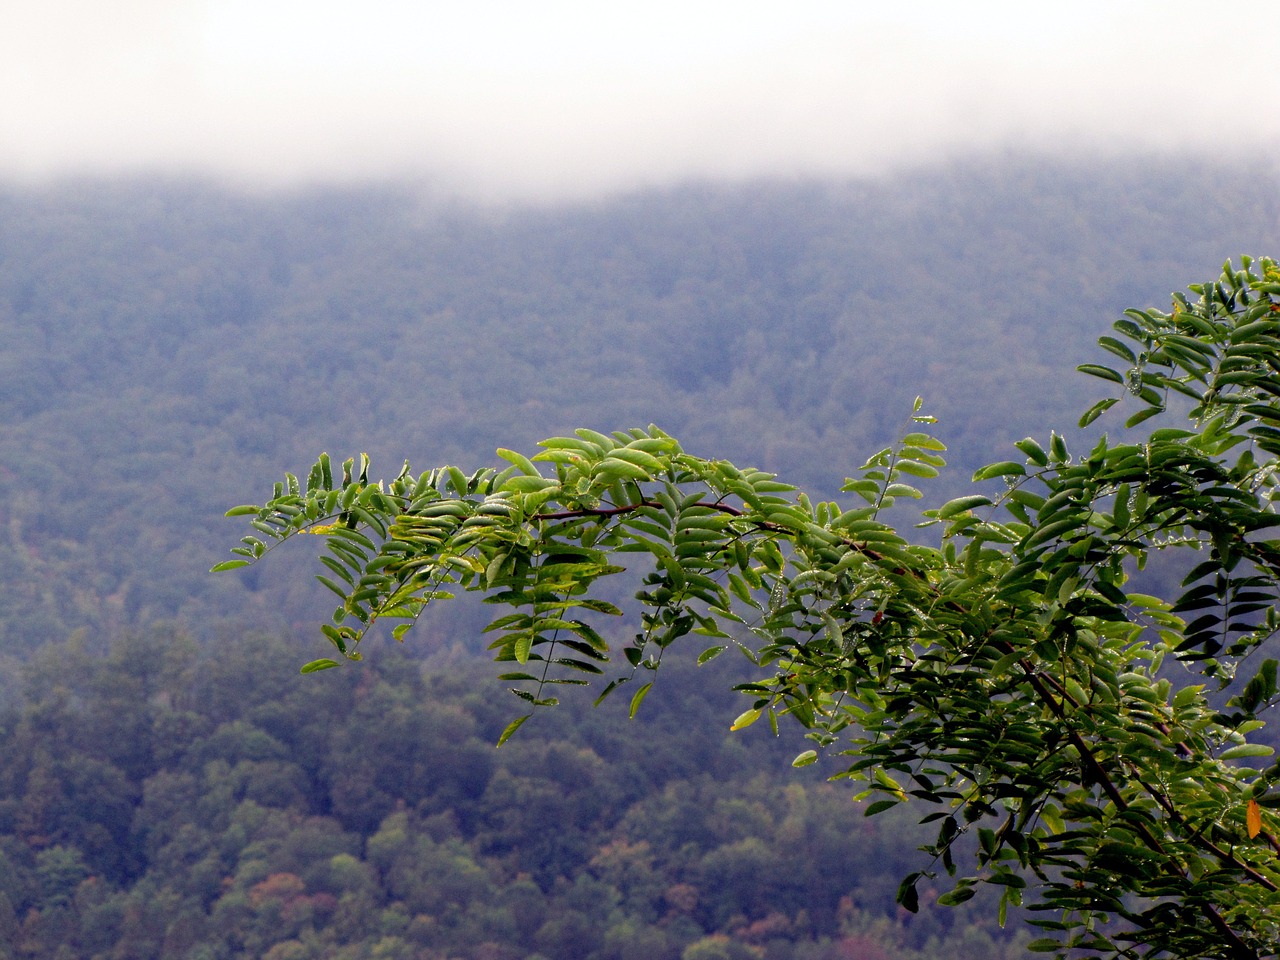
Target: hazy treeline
{"x":166,"y":350}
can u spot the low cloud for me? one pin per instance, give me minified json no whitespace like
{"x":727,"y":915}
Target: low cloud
{"x":572,"y":99}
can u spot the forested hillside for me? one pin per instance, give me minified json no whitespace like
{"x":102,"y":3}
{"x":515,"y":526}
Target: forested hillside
{"x":169,"y":786}
{"x":168,"y":346}
{"x":163,"y":802}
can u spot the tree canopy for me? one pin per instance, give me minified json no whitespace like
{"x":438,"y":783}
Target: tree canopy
{"x":1090,"y":751}
{"x":165,"y":800}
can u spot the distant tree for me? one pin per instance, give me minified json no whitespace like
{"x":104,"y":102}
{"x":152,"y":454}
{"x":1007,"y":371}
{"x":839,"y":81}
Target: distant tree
{"x":1093,"y":741}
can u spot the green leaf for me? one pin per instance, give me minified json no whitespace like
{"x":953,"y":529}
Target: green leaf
{"x":523,"y":645}
{"x":332,"y":586}
{"x":1005,"y":468}
{"x":923,"y":441}
{"x":637,"y":698}
{"x":767,"y":485}
{"x":493,"y":569}
{"x":804,"y":759}
{"x":1097,"y":410}
{"x":592,"y":450}
{"x":228,"y":565}
{"x":338,"y":636}
{"x":879,"y":806}
{"x":611,"y":468}
{"x":957,"y":896}
{"x":458,"y":481}
{"x":916,"y":469}
{"x":646,"y":461}
{"x":1044,"y":945}
{"x":1106,"y":373}
{"x":1005,"y":879}
{"x":834,"y":631}
{"x":322,"y":664}
{"x":1142,"y":415}
{"x":746,"y":719}
{"x":512,"y":727}
{"x":519,"y":461}
{"x":242,"y":511}
{"x":962,"y":504}
{"x":1057,"y":448}
{"x":1035,"y":453}
{"x":1119,"y":348}
{"x":861,"y":486}
{"x":599,"y":439}
{"x":907,"y":895}
{"x":902,"y":490}
{"x":1246,"y":750}
{"x":527,"y":484}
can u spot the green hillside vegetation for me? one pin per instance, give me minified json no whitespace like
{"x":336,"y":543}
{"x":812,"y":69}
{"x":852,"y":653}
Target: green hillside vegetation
{"x":169,"y":786}
{"x":166,"y":345}
{"x":164,"y":802}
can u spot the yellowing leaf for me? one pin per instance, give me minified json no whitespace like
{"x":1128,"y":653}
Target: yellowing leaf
{"x":1253,"y":819}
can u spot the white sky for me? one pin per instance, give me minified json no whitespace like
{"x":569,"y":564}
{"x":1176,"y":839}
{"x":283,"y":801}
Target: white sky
{"x":566,"y":98}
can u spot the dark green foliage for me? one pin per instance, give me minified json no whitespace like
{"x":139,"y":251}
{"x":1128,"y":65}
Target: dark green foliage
{"x":369,"y":814}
